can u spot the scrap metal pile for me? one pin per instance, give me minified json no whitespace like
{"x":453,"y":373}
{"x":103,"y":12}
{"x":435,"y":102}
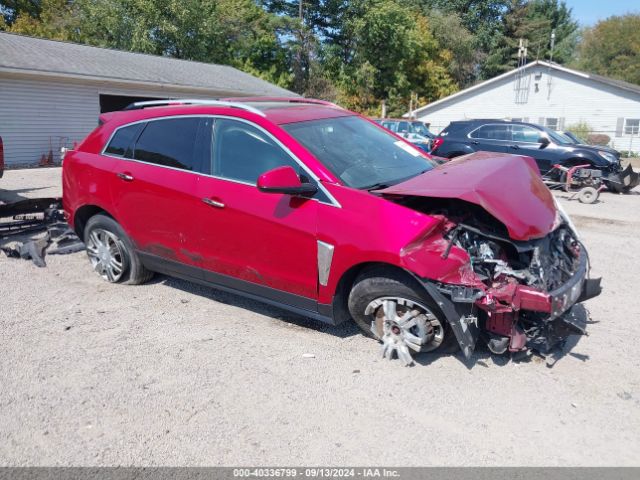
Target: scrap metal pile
{"x":31,"y":229}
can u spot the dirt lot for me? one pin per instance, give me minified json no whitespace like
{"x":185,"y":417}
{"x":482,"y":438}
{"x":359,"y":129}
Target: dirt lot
{"x":171,"y":373}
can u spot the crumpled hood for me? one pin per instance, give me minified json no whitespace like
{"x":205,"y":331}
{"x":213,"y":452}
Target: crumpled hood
{"x":509,"y":187}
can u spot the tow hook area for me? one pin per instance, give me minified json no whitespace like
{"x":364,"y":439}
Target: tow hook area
{"x":29,"y":229}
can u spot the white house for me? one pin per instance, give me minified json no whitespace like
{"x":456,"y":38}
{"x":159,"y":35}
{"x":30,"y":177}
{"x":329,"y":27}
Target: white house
{"x":550,"y":95}
{"x":51,"y":93}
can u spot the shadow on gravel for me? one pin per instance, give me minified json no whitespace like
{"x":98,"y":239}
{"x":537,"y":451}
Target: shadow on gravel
{"x":345,"y":330}
{"x":10,"y":196}
{"x":481,"y":357}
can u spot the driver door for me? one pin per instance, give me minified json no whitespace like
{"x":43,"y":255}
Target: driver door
{"x":526,"y":141}
{"x":263,"y":243}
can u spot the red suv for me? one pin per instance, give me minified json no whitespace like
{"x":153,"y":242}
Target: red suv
{"x":313,"y":208}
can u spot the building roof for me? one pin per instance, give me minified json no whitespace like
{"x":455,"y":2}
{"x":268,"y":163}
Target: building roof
{"x":29,"y":55}
{"x":589,"y":76}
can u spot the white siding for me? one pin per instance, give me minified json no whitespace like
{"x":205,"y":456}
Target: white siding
{"x":568,"y":97}
{"x":39,"y":115}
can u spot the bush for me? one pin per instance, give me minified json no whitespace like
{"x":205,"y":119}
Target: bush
{"x":598,"y":139}
{"x":581,"y":130}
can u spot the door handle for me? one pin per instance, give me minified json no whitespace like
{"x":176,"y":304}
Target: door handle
{"x":125,"y":176}
{"x":475,"y":143}
{"x":213,"y":203}
{"x":515,"y":147}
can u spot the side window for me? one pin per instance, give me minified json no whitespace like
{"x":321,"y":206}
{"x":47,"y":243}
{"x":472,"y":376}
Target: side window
{"x":403,"y":127}
{"x":122,"y":141}
{"x":243,"y":152}
{"x":522,"y":133}
{"x":170,"y":142}
{"x":492,"y":132}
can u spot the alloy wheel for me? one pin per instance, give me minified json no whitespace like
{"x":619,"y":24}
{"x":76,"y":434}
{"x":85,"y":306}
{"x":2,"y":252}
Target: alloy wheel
{"x":403,"y":325}
{"x":106,"y":254}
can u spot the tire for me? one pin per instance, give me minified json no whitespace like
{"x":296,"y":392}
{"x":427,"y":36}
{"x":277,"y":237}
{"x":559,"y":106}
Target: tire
{"x":588,"y":195}
{"x":104,"y":233}
{"x":383,"y":282}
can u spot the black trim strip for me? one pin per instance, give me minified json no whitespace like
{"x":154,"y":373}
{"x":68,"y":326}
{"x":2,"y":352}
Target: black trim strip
{"x":287,"y":301}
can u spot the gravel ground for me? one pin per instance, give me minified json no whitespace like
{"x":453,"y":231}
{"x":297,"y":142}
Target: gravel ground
{"x":170,"y":373}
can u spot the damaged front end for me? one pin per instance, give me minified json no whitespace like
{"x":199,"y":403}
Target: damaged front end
{"x":525,"y":293}
{"x":522,"y":266}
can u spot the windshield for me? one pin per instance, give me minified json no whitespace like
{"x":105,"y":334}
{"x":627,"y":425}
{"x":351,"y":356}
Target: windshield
{"x":421,"y":128}
{"x":556,"y":137}
{"x":361,"y":154}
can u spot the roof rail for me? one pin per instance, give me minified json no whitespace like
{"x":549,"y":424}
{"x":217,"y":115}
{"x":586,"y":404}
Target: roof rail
{"x":192,"y":101}
{"x":281,"y":99}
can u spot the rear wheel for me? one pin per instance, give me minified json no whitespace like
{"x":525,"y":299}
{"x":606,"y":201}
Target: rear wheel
{"x":111,"y":252}
{"x":395,"y":310}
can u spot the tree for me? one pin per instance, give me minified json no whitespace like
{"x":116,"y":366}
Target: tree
{"x":394,"y":56}
{"x":233,"y":32}
{"x":533,"y":21}
{"x":612,"y":48}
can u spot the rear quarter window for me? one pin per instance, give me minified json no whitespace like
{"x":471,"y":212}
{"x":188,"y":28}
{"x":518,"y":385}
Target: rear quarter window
{"x":121,"y":143}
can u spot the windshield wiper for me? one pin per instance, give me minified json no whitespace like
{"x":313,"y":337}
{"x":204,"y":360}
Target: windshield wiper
{"x":378,"y":186}
{"x":375,"y":186}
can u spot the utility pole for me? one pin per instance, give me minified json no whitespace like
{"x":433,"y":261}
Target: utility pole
{"x":553,"y":43}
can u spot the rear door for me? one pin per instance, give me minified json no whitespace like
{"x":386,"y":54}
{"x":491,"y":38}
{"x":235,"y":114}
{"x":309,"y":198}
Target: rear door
{"x":263,"y":243}
{"x":526,"y":141}
{"x":154,"y":194}
{"x":490,"y":137}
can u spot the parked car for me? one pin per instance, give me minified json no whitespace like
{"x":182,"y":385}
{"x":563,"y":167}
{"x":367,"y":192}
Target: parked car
{"x":572,"y":138}
{"x":413,"y":130}
{"x":315,"y":209}
{"x":547,"y":147}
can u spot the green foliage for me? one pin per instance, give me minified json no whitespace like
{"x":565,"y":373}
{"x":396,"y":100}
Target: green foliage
{"x":612,"y":48}
{"x":533,"y":21}
{"x":581,"y":130}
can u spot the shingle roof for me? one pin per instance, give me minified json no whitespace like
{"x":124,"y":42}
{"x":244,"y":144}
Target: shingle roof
{"x":36,"y":55}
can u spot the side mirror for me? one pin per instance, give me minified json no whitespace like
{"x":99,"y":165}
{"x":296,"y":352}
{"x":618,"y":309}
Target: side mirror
{"x":543,"y":141}
{"x":285,"y":180}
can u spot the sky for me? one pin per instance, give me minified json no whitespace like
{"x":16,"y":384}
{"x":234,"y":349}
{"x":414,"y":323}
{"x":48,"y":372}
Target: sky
{"x":588,"y":12}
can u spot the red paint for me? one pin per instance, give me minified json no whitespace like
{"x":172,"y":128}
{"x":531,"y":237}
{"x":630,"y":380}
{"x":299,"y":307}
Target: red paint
{"x":278,"y":178}
{"x":507,"y":186}
{"x":271,"y":238}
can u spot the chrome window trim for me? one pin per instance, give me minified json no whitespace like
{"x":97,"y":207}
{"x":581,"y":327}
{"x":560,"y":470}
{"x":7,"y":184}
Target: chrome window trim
{"x":334,"y":202}
{"x":500,"y":125}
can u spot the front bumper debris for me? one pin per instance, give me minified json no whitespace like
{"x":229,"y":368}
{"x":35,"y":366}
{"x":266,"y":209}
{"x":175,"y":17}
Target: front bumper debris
{"x":622,"y":181}
{"x":515,"y":317}
{"x":29,"y":229}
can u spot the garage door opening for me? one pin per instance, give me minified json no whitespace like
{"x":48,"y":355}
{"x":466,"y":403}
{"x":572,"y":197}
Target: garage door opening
{"x":112,"y":103}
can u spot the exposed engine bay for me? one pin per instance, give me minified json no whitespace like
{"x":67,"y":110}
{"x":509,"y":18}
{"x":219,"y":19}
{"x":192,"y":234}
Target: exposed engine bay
{"x":524,"y":290}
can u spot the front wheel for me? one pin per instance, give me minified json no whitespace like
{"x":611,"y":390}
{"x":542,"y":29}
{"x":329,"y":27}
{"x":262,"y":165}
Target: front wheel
{"x":111,"y":252}
{"x":396,"y":311}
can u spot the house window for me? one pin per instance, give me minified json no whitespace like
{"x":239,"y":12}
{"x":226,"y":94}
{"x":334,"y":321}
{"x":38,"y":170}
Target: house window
{"x":632,"y":126}
{"x":551,"y":123}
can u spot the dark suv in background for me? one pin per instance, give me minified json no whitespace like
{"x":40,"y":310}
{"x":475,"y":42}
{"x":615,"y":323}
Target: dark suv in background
{"x":547,"y":147}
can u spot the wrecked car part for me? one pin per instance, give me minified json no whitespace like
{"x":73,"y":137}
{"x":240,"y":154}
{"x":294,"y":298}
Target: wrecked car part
{"x":523,"y":289}
{"x":403,"y":325}
{"x":464,"y":326}
{"x":622,"y":181}
{"x":20,"y":220}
